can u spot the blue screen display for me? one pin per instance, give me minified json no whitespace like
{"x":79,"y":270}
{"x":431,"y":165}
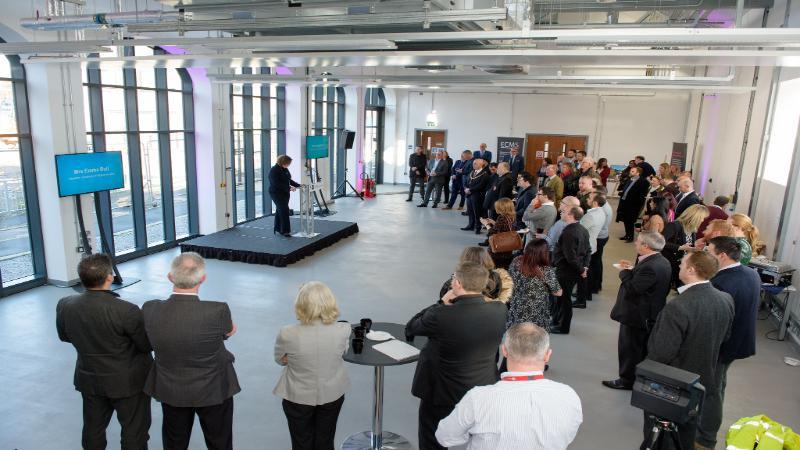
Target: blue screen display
{"x":82,"y":173}
{"x":316,"y":147}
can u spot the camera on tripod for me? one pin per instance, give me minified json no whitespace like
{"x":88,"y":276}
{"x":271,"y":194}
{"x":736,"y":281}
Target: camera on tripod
{"x":670,"y":396}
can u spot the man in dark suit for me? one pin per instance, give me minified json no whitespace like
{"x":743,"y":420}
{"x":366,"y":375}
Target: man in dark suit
{"x":463,"y":332}
{"x":193,"y":371}
{"x":687,"y":196}
{"x":642,"y":295}
{"x":484,"y":154}
{"x":417,"y":162}
{"x":525,"y":195}
{"x":502,"y":187}
{"x":457,"y":180}
{"x":447,"y":179}
{"x":646,"y":169}
{"x":438,"y":173}
{"x":516,"y":162}
{"x":571,"y":259}
{"x":476,"y":194}
{"x":689,"y":333}
{"x":744,"y":285}
{"x":113,"y":357}
{"x":631,"y":202}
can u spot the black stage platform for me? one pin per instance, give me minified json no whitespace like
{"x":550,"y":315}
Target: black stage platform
{"x":254,"y":243}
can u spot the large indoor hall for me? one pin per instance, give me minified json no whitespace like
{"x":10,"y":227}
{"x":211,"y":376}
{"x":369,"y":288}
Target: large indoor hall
{"x":399,"y":224}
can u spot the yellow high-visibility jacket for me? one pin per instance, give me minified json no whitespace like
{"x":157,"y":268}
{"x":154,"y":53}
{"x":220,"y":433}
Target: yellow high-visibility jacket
{"x":770,"y":435}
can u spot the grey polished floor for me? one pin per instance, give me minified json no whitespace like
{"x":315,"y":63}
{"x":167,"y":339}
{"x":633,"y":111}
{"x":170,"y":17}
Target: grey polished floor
{"x":389,"y":271}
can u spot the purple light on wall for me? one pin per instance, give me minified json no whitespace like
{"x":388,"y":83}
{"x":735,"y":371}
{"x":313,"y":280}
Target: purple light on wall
{"x":711,"y":111}
{"x":197,"y":74}
{"x":721,"y":16}
{"x":280,"y":70}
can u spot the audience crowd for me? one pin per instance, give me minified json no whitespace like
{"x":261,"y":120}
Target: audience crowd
{"x":481,"y":376}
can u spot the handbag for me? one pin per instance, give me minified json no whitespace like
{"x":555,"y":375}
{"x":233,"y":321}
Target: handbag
{"x":505,"y":242}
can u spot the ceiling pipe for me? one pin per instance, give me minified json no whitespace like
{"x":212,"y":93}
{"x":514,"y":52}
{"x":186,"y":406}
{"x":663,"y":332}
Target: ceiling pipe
{"x":104,"y":20}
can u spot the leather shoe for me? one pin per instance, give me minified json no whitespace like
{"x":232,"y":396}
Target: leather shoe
{"x":422,"y":205}
{"x":463,"y":213}
{"x":617,"y":384}
{"x":557,"y":330}
{"x":579,"y":305}
{"x":467,"y":228}
{"x":624,"y":238}
{"x":408,"y":199}
{"x":484,"y":243}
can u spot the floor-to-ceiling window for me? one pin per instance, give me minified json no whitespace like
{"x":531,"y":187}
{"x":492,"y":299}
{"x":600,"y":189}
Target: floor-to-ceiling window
{"x":21,"y":253}
{"x":148,"y":115}
{"x":258,"y":125}
{"x":327,"y":118}
{"x":375,"y":104}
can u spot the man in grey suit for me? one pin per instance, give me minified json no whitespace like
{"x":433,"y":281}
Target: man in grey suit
{"x":438,"y":174}
{"x":193,"y":371}
{"x":689,"y":333}
{"x":113,"y":357}
{"x":539,"y":220}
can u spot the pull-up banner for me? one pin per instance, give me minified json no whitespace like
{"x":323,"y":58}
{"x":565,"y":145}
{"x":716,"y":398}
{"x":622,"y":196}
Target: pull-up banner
{"x":679,"y":154}
{"x":504,"y":145}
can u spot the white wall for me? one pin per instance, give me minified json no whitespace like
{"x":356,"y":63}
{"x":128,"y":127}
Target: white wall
{"x":624,"y":125}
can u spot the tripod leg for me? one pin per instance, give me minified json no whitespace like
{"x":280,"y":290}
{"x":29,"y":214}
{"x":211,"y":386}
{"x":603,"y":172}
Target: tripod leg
{"x":359,"y":195}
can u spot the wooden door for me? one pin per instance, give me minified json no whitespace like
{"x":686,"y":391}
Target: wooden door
{"x":541,"y":146}
{"x":430,"y":139}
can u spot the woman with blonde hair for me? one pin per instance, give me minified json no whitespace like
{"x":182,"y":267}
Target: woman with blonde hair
{"x":314,"y":379}
{"x":680,"y":236}
{"x":748,"y":236}
{"x":499,"y":286}
{"x":506,"y":218}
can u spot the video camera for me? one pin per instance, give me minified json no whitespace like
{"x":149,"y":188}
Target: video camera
{"x":667,"y":392}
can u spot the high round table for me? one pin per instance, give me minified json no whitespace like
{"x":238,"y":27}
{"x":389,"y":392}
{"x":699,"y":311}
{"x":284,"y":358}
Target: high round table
{"x":377,"y":439}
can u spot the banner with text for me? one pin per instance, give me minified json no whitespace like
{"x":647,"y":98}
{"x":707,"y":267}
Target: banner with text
{"x":679,"y":154}
{"x":504,"y":145}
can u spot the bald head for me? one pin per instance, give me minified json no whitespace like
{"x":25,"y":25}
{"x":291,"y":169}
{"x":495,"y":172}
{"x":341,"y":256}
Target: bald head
{"x":570,"y":201}
{"x":685,"y":184}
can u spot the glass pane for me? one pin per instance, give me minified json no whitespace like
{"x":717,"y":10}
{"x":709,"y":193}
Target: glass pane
{"x":238,"y":115}
{"x":179,"y":194}
{"x":146,"y":78}
{"x":259,"y":176}
{"x":5,"y":67}
{"x":111,"y":76}
{"x":114,"y":109}
{"x":151,"y":182}
{"x":16,"y":262}
{"x":175,"y":105}
{"x":256,"y":112}
{"x":273,"y":146}
{"x":174,"y":80}
{"x":121,"y":206}
{"x":237,"y":88}
{"x":238,"y":175}
{"x":87,"y":116}
{"x":273,"y":113}
{"x":8,"y":117}
{"x":147,"y":110}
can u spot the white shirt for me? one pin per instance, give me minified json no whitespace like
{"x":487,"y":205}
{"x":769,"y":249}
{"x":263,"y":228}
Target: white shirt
{"x":736,"y":264}
{"x":593,"y":221}
{"x":509,"y":415}
{"x":687,"y":286}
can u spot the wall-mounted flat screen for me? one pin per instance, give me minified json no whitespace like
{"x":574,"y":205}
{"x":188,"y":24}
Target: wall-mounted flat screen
{"x":83,"y":173}
{"x":316,"y":147}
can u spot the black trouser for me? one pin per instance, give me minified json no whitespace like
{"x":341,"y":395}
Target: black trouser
{"x":629,"y":223}
{"x":596,"y":268}
{"x":434,"y":184}
{"x":458,"y":190}
{"x":475,"y":210}
{"x":631,"y":350}
{"x":488,"y":204}
{"x":711,"y":416}
{"x":567,"y":278}
{"x":446,"y":189}
{"x":282,"y":224}
{"x":216,"y":422}
{"x":133,"y":414}
{"x":414,"y":180}
{"x":312,"y":427}
{"x":429,"y":417}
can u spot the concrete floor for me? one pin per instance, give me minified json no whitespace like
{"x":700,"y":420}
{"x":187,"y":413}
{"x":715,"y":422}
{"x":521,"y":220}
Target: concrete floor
{"x":389,"y":271}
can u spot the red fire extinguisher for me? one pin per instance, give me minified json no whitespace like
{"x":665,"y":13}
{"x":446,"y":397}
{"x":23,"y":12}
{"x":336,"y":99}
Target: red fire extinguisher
{"x":368,"y":186}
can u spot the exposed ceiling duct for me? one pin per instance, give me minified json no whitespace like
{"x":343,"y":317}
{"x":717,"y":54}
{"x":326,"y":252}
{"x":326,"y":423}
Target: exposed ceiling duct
{"x":107,"y":20}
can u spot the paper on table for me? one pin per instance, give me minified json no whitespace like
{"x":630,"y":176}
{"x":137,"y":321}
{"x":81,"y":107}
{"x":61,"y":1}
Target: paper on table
{"x":397,"y":350}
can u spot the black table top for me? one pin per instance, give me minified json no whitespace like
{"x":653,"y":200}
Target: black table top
{"x":372,"y":357}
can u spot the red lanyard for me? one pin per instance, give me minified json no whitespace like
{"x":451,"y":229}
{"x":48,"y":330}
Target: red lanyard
{"x":523,"y":378}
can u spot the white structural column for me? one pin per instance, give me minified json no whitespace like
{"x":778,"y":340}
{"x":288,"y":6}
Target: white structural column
{"x":296,"y":131}
{"x":212,"y":123}
{"x":55,"y":98}
{"x":393,"y":147}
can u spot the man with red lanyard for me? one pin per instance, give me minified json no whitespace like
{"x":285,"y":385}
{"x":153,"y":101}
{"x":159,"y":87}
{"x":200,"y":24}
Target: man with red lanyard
{"x":507,"y":414}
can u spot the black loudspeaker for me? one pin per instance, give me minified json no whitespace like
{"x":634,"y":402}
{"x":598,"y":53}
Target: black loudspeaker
{"x":349,"y":138}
